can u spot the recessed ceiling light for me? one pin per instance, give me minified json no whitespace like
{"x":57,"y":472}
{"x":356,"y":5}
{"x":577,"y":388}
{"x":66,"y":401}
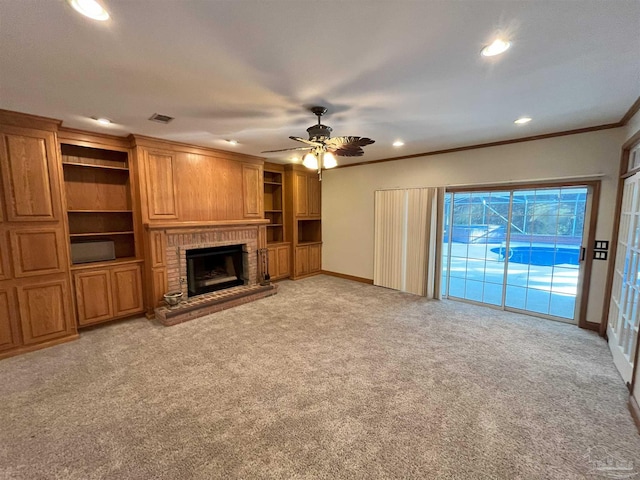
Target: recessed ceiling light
{"x":522,"y":120}
{"x":398,"y":143}
{"x":90,"y":8}
{"x":496,"y":48}
{"x":233,"y":142}
{"x":102,"y":121}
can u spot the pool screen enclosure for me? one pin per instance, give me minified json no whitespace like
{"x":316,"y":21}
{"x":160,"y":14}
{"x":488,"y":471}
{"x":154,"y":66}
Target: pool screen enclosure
{"x":515,"y":249}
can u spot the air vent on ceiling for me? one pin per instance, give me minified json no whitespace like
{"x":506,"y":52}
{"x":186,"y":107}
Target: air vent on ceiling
{"x":157,"y":117}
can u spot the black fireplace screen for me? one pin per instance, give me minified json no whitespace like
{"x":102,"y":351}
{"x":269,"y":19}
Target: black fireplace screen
{"x":215,"y":268}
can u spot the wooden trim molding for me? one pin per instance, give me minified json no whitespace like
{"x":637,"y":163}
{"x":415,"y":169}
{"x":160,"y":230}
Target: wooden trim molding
{"x":368,"y":281}
{"x":25,"y":120}
{"x":212,"y":223}
{"x":158,"y":143}
{"x":613,"y":246}
{"x":588,"y":262}
{"x":544,"y":136}
{"x":635,"y":108}
{"x":93,"y":140}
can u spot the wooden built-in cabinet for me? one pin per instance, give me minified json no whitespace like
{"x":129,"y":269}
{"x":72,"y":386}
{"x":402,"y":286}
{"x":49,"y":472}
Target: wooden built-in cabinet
{"x":279,"y":261}
{"x":101,"y":207}
{"x":45,"y":312}
{"x":306,"y":193}
{"x":29,"y":175}
{"x":107,"y":293}
{"x":308,"y":259}
{"x":35,"y":301}
{"x":98,"y":196}
{"x":304,"y":225}
{"x":278,"y":245}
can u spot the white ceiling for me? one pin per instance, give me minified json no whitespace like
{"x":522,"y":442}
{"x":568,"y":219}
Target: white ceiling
{"x":246,"y":69}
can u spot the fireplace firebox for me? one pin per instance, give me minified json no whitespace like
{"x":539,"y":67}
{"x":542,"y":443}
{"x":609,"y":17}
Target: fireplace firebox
{"x":214,"y":268}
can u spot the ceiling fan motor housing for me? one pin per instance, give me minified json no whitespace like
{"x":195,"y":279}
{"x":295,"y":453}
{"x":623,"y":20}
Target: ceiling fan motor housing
{"x":319,"y":132}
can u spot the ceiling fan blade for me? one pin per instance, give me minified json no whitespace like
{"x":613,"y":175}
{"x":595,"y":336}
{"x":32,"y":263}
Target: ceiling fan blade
{"x":348,"y":142}
{"x":286,"y":149}
{"x":348,"y":152}
{"x":308,"y":142}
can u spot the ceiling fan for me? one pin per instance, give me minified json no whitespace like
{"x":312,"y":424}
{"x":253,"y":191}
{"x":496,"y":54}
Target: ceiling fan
{"x":322,"y":147}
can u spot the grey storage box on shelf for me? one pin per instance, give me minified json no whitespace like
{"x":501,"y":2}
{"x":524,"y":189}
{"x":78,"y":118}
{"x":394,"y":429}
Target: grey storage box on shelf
{"x":86,"y":252}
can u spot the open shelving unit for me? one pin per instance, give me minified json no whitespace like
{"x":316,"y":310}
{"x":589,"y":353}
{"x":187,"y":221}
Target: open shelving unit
{"x":98,"y":193}
{"x":278,"y":245}
{"x":273,"y":206}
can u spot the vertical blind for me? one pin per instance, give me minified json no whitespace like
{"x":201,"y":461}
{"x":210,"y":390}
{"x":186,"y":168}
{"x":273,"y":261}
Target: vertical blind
{"x":408,"y":224}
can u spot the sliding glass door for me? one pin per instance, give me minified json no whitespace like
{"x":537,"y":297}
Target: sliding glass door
{"x":516,"y":249}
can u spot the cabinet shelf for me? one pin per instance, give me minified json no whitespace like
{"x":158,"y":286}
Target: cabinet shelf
{"x":274,"y":225}
{"x":101,"y":167}
{"x":99,"y":234}
{"x":273,"y":183}
{"x":99,"y":211}
{"x":94,"y":265}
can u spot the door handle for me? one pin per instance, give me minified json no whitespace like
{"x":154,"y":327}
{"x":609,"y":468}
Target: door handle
{"x":583,"y":253}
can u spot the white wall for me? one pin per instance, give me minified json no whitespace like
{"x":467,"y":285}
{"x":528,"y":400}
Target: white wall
{"x":347,"y":193}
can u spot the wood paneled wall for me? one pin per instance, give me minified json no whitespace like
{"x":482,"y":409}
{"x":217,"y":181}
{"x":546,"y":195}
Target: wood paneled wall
{"x":182,"y":183}
{"x":35,"y":296}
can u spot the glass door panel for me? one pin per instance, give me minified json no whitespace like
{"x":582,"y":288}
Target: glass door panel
{"x":516,"y":249}
{"x":622,"y":328}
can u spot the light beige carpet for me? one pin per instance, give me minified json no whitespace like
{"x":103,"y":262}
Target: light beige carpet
{"x":329,"y":379}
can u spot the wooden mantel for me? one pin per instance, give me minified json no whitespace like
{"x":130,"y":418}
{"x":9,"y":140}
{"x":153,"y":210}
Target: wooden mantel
{"x":213,"y":223}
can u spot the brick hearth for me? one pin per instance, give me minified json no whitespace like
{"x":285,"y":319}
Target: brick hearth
{"x":212,"y":302}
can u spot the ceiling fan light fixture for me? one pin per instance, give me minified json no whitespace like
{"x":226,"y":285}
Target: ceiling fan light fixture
{"x":90,"y":9}
{"x":496,"y":47}
{"x":329,"y":160}
{"x":310,"y":161}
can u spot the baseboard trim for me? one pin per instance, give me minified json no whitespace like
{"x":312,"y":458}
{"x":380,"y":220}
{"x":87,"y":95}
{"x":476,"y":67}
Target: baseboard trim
{"x":634,"y":408}
{"x":39,"y":346}
{"x":595,"y":327}
{"x":368,"y":281}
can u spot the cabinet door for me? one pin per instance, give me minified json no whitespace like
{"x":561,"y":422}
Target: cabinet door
{"x":9,"y":332}
{"x":252,"y":196}
{"x":272,"y":255}
{"x":44,"y":311}
{"x":37,"y":251}
{"x":300,"y":194}
{"x":315,"y":258}
{"x":283,"y":254}
{"x":301,"y":260}
{"x":313,"y":186}
{"x":93,"y":296}
{"x":28,"y":163}
{"x":161,"y":195}
{"x":126,"y":285}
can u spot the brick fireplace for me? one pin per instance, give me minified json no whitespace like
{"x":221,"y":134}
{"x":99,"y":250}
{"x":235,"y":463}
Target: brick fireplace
{"x":179,"y":240}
